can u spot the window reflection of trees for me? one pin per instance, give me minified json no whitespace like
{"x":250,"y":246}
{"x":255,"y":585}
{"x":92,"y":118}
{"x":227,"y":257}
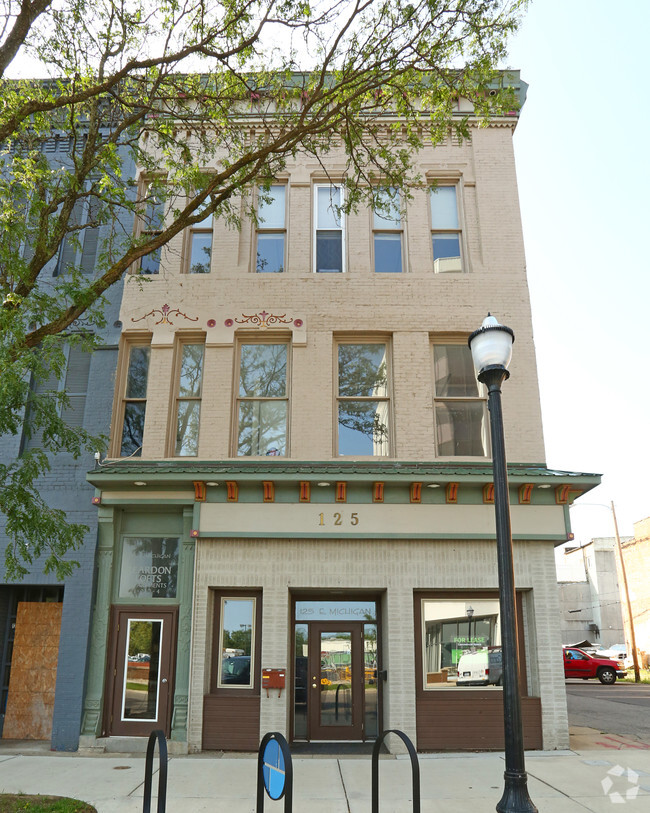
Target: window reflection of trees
{"x":189,"y":394}
{"x":262,"y":422}
{"x":363,"y":399}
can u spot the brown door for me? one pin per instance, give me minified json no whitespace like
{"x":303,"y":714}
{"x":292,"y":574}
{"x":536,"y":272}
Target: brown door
{"x":336,"y":681}
{"x":143,"y":672}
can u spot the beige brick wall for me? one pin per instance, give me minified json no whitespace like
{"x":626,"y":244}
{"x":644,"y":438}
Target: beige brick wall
{"x":397,"y":567}
{"x":409,"y":307}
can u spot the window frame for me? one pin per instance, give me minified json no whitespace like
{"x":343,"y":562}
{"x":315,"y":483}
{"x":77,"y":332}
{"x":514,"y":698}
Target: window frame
{"x":388,"y":398}
{"x":481,"y":397}
{"x":342,"y":228}
{"x":261,"y":230}
{"x":142,"y":227}
{"x":384,"y":229}
{"x":76,"y":240}
{"x":455,"y":184}
{"x":219,"y":595}
{"x":422,"y":595}
{"x":128,"y":343}
{"x":268,"y":339}
{"x":182,"y":342}
{"x":197,"y":229}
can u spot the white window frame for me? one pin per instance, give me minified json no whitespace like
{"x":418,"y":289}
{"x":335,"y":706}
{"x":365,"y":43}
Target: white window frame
{"x":442,"y":267}
{"x":262,"y":230}
{"x":385,"y":229}
{"x":195,"y":230}
{"x":341,"y":228}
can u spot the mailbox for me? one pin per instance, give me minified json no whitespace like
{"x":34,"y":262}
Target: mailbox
{"x":273,"y":679}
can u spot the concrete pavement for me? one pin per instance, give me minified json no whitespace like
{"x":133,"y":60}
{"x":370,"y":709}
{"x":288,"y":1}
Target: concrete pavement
{"x":587,"y":778}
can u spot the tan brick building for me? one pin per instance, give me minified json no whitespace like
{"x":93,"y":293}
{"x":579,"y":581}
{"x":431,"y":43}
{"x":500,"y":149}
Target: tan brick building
{"x":299,"y":493}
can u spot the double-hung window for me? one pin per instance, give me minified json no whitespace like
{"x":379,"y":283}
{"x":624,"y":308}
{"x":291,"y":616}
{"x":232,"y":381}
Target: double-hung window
{"x":134,"y":402}
{"x":151,"y":225}
{"x":262,"y":399}
{"x":460,"y":406}
{"x":387,"y":231}
{"x":363,"y":399}
{"x":445,"y":230}
{"x":271,"y":230}
{"x":329,"y":238}
{"x":200,"y":246}
{"x":188,"y":400}
{"x":79,"y":248}
{"x":74,"y":381}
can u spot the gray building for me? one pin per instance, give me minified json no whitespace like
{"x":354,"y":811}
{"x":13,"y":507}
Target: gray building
{"x":590,"y":597}
{"x":44,"y":624}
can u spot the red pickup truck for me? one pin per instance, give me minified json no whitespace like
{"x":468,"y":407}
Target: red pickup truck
{"x":577,"y":664}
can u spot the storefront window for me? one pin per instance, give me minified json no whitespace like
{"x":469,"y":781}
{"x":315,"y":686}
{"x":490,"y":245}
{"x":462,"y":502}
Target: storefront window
{"x":236,"y":641}
{"x":149,"y":567}
{"x":461,"y":643}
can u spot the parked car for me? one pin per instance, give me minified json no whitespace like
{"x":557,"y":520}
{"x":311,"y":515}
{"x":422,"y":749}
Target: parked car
{"x":578,"y":664}
{"x":236,"y":670}
{"x":480,"y":668}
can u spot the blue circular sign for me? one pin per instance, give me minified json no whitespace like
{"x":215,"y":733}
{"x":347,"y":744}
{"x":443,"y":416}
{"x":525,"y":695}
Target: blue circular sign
{"x":273,"y":770}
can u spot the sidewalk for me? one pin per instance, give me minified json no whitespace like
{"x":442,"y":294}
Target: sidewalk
{"x":585,"y":779}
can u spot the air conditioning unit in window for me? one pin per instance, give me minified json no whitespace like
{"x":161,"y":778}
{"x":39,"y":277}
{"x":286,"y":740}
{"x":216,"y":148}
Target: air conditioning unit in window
{"x":447,"y":265}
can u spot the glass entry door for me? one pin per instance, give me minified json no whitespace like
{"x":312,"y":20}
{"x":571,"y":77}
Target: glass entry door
{"x":335,"y":681}
{"x":142,"y":690}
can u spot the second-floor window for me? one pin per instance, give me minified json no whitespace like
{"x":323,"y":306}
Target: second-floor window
{"x":74,"y":381}
{"x":134,"y":402}
{"x":329,"y":238}
{"x":188,"y":400}
{"x":262,"y":399}
{"x":460,"y":408}
{"x":363,"y":399}
{"x":387,"y":231}
{"x":271,"y":230}
{"x":445,"y":230}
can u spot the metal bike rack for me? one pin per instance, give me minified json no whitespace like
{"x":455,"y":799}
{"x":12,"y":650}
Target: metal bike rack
{"x":274,"y":771}
{"x":415,"y":769}
{"x":158,"y":736}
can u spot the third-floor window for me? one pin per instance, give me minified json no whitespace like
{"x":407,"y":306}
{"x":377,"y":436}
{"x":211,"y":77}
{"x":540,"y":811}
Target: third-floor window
{"x":329,"y":238}
{"x":271,"y":230}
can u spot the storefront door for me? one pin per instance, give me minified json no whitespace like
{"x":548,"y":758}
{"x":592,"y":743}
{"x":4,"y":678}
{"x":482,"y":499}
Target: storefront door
{"x":142,"y":689}
{"x":336,"y":681}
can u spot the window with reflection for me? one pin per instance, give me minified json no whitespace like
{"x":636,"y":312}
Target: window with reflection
{"x":188,"y":400}
{"x":460,"y":406}
{"x":271,"y":230}
{"x":387,"y":231}
{"x":461,"y":643}
{"x":200,"y":246}
{"x":363,"y":399}
{"x":329,"y":242}
{"x":151,"y":224}
{"x":262,"y":400}
{"x":142,"y":669}
{"x":237,"y":631}
{"x":134,"y":402}
{"x":149,"y":567}
{"x":445,"y":230}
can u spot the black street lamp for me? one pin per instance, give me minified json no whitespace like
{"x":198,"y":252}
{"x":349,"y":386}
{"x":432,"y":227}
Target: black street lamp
{"x":469,"y":612}
{"x":491,"y":347}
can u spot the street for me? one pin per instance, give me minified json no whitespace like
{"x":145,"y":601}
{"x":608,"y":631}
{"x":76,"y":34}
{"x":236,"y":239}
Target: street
{"x":622,"y":709}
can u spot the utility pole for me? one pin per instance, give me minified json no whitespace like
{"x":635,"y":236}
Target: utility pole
{"x":637,"y":676}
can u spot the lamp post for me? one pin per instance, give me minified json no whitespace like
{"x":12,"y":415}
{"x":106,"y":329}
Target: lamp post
{"x":491,"y":347}
{"x":469,"y":612}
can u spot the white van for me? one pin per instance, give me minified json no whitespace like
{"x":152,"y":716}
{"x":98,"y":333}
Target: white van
{"x":480,"y":668}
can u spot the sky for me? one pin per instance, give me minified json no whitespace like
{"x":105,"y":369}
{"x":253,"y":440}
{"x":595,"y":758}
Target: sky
{"x":583,"y":167}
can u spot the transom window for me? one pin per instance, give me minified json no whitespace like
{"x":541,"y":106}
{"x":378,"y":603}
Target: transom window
{"x":329,"y":240}
{"x":271,"y":230}
{"x":262,"y":399}
{"x":445,"y":230}
{"x":460,"y":408}
{"x":363,"y":399}
{"x":387,"y":231}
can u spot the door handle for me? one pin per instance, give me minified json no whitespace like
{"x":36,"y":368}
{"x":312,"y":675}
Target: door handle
{"x":164,"y":680}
